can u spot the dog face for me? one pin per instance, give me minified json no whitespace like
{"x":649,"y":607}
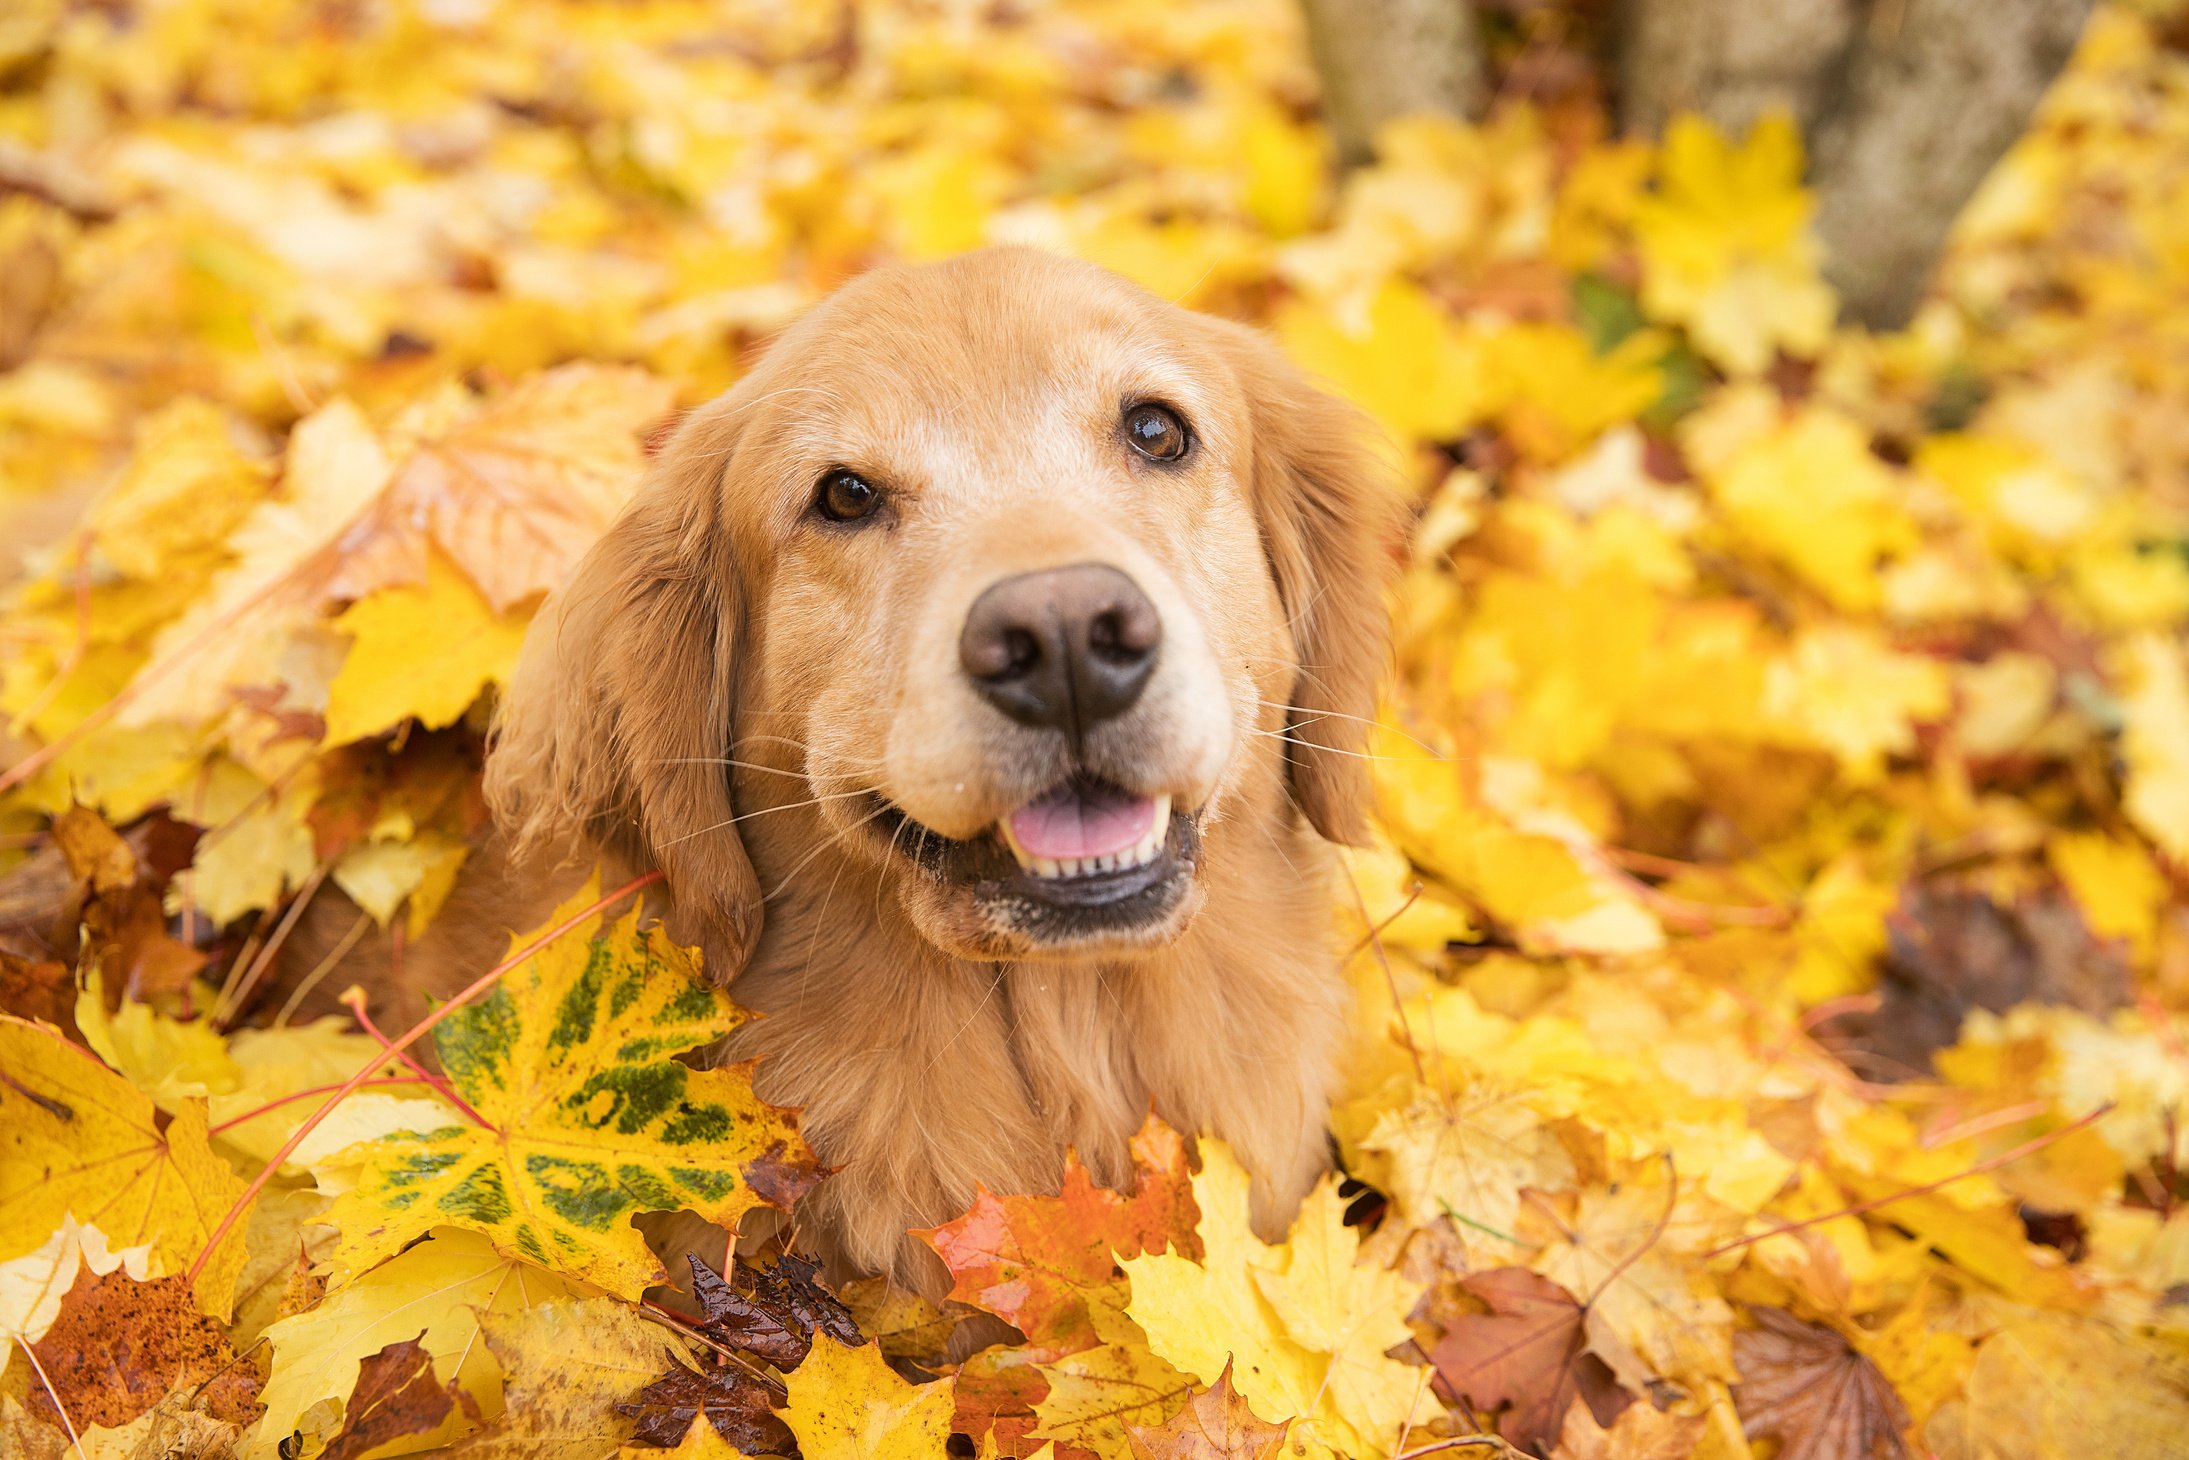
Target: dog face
{"x":999,"y":577}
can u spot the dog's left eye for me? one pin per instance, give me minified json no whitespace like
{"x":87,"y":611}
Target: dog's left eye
{"x":845,"y":496}
{"x":1156,"y":431}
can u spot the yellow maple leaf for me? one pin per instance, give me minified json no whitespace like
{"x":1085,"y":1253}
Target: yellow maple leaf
{"x":236,"y":634}
{"x":1554,"y":394}
{"x":384,"y":678}
{"x":1405,"y":361}
{"x":1302,"y":1326}
{"x":1725,"y":244}
{"x":848,"y":1404}
{"x":263,"y":845}
{"x":186,"y":486}
{"x":169,"y":1059}
{"x":2114,"y":881}
{"x":1096,"y":1395}
{"x":78,"y":1140}
{"x":1468,"y":1155}
{"x":1809,"y":492}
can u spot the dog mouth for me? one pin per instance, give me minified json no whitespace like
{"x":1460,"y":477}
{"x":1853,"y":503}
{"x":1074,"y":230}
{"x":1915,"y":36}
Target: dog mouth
{"x":1086,"y":828}
{"x":1084,"y":857}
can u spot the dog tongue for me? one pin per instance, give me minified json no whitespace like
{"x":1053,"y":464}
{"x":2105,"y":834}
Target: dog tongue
{"x":1077,"y":820}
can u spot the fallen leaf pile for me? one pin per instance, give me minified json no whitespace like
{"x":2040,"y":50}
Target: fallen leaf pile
{"x":1771,"y":970}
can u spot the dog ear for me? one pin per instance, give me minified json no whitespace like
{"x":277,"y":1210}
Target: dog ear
{"x":617,"y":718}
{"x":1329,"y":515}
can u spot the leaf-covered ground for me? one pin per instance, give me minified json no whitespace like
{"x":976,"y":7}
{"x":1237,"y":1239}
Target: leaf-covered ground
{"x":1771,"y":984}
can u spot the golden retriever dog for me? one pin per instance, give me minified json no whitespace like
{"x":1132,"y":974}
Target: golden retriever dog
{"x":988,"y":675}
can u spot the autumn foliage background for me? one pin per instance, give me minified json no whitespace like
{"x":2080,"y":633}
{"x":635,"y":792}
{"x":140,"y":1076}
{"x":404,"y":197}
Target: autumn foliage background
{"x":1771,"y":977}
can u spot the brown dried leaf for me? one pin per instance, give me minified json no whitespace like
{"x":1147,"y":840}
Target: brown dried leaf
{"x":119,"y":1346}
{"x":38,"y":989}
{"x":733,"y":1401}
{"x":39,"y":898}
{"x":125,"y":935}
{"x":1215,"y":1425}
{"x":396,"y":1395}
{"x":771,"y":1313}
{"x":94,"y":851}
{"x":1954,"y":949}
{"x":1528,"y":1355}
{"x":1806,"y":1386}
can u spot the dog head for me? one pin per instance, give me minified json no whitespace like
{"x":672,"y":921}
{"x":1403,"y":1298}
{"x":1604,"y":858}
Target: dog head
{"x":1000,"y":576}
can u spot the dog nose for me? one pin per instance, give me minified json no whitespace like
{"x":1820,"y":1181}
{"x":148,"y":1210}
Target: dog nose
{"x":1065,"y":648}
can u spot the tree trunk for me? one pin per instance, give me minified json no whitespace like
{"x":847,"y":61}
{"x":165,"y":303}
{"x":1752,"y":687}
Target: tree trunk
{"x":1906,"y":105}
{"x":1381,"y":59}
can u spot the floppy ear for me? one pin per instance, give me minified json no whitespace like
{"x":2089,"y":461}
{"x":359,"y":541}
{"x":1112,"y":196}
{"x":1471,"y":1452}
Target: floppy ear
{"x":617,"y":718}
{"x":1329,"y":515}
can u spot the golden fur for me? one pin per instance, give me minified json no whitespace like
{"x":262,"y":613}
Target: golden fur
{"x":725,"y":685}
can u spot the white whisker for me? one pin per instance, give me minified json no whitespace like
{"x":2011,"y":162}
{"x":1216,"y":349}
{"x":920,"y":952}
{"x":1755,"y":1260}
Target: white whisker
{"x":763,"y":811}
{"x":1335,"y":750}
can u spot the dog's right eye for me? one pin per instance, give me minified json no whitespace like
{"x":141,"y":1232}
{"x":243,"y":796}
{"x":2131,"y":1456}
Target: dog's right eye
{"x":845,"y":496}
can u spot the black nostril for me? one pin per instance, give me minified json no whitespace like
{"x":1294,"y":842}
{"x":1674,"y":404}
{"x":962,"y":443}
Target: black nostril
{"x":1126,"y":633}
{"x":1020,"y":652}
{"x":1066,"y":648}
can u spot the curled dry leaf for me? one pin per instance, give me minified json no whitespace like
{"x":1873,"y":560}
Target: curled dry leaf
{"x":771,"y":1313}
{"x":122,"y":920}
{"x":1955,"y":949}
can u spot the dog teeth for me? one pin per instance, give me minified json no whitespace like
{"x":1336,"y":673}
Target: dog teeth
{"x":1139,"y":854}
